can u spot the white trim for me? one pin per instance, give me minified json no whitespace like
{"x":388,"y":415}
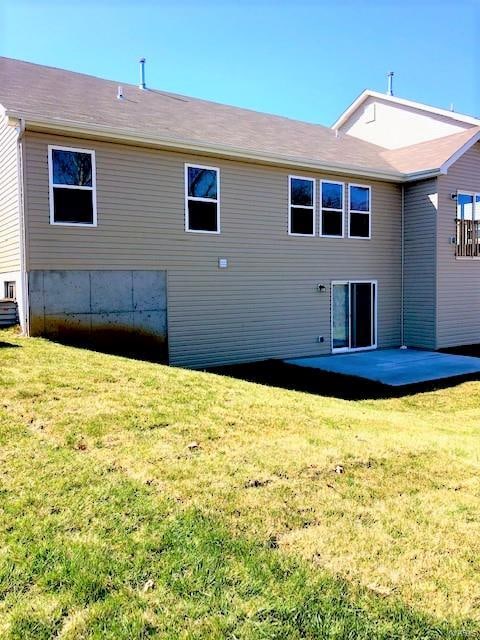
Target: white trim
{"x":368,"y":93}
{"x":101,"y":132}
{"x":373,"y":316}
{"x":51,"y":185}
{"x":322,"y":208}
{"x":473,"y":195}
{"x":299,"y":206}
{"x":366,"y":213}
{"x":197,"y":199}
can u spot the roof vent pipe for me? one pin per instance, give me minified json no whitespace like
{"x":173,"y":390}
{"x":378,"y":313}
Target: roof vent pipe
{"x":390,"y":75}
{"x":142,"y":84}
{"x":120,"y":93}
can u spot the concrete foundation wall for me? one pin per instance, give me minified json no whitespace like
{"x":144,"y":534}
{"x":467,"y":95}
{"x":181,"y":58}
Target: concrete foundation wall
{"x":111,"y":308}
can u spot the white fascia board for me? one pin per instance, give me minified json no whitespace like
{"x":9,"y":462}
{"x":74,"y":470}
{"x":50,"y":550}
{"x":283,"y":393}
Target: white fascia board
{"x":406,"y":103}
{"x":459,"y":152}
{"x":118,"y":135}
{"x":351,"y":109}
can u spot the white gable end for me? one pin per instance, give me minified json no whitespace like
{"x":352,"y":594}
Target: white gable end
{"x":392,"y":125}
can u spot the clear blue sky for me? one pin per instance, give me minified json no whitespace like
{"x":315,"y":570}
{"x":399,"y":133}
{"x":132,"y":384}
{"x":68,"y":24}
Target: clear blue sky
{"x":304,"y":59}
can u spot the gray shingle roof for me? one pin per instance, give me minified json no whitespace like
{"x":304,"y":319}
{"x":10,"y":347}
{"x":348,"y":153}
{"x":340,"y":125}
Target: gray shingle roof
{"x":35,"y":91}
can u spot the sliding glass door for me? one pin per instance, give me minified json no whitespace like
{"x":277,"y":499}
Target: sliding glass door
{"x":354,"y":311}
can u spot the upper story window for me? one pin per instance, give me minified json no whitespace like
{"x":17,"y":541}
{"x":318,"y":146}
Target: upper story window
{"x":72,"y":186}
{"x":332,"y":214}
{"x":468,"y":225}
{"x":359,"y":211}
{"x":301,"y":206}
{"x":202,"y":195}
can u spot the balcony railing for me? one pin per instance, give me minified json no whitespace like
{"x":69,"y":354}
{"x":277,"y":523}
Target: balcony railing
{"x":467,"y":240}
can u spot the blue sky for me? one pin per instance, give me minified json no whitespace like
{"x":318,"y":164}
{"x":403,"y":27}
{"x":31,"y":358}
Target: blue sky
{"x":304,"y":59}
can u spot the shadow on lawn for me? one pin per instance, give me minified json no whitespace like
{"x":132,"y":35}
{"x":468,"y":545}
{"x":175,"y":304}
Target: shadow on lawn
{"x":274,"y":373}
{"x":8,"y":345}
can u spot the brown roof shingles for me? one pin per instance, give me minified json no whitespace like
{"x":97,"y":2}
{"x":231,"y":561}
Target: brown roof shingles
{"x":429,"y":155}
{"x":31,"y":90}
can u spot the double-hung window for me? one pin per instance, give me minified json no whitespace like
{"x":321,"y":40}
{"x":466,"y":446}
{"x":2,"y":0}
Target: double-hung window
{"x":332,"y":209}
{"x":202,"y":196}
{"x":359,"y":211}
{"x":301,"y":206}
{"x":72,"y":186}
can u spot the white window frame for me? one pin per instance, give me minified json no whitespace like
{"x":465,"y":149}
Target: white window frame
{"x":475,"y":208}
{"x":374,"y":312}
{"x":93,"y":188}
{"x":194,"y":198}
{"x":322,"y":208}
{"x":299,"y":206}
{"x":366,"y":213}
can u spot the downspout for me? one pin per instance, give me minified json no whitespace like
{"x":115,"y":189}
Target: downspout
{"x":402,"y":278}
{"x":23,"y":234}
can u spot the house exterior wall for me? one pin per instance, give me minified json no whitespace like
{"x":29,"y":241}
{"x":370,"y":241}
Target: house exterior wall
{"x":9,"y":207}
{"x":393,"y":125}
{"x":458,"y":296}
{"x":9,"y":200}
{"x":266,"y":303}
{"x":420,"y":264}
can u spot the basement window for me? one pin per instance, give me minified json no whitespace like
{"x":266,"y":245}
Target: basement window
{"x":72,"y":186}
{"x":331,"y":222}
{"x":202,"y":195}
{"x":359,"y":211}
{"x":10,"y":290}
{"x":301,"y":206}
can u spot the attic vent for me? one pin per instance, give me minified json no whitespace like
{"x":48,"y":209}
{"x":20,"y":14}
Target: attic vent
{"x":369,"y":113}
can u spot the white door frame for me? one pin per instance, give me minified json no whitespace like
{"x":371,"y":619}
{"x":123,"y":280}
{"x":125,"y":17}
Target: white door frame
{"x":374,"y":315}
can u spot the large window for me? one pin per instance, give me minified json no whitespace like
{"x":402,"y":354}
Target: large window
{"x":202,"y":196}
{"x":331,"y":222}
{"x":359,"y":211}
{"x":468,"y":225}
{"x":301,"y":206}
{"x":72,"y":186}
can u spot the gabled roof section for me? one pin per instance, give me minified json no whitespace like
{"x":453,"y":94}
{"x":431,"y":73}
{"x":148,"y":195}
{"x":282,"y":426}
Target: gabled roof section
{"x":432,"y":155}
{"x":75,"y":102}
{"x":460,"y":117}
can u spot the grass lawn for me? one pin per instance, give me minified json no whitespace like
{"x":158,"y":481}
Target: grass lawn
{"x":141,"y":501}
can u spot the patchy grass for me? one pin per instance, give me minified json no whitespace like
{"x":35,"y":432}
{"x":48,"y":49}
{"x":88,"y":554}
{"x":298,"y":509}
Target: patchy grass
{"x":140,"y":501}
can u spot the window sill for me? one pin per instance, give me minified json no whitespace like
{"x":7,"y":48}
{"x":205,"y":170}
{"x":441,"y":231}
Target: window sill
{"x":74,"y":224}
{"x":210,"y":233}
{"x":322,"y":235}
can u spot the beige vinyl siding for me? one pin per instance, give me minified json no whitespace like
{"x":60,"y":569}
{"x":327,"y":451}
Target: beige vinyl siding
{"x":458,"y":295}
{"x":420,"y":264}
{"x":266,"y":303}
{"x":9,"y":201}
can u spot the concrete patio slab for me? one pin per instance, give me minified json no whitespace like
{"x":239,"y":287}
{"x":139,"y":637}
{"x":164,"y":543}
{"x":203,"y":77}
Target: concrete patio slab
{"x":393,"y":367}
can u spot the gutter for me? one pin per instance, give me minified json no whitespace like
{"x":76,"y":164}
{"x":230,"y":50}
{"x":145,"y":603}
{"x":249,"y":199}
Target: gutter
{"x":118,"y":135}
{"x":402,"y":298}
{"x":25,"y":316}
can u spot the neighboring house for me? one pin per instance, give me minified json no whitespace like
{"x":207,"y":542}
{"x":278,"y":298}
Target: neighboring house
{"x":226,"y":235}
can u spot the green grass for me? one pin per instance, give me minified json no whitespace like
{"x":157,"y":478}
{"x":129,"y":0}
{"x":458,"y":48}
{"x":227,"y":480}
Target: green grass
{"x":111,"y":526}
